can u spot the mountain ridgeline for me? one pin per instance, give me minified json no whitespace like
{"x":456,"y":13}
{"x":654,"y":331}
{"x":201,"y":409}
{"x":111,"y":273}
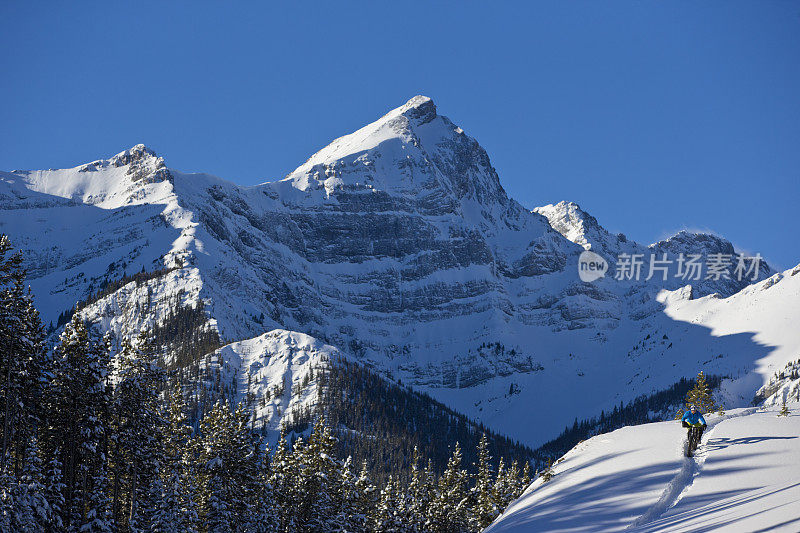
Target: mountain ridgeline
{"x":390,"y":287}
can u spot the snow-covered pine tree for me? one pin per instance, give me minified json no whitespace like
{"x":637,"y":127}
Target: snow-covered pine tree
{"x":99,"y":516}
{"x":24,"y":366}
{"x":176,"y":511}
{"x":388,"y":514}
{"x":37,"y":373}
{"x":54,"y":492}
{"x":156,"y":494}
{"x":263,"y":515}
{"x":78,"y":408}
{"x":12,"y":339}
{"x":367,"y":495}
{"x":245,"y":462}
{"x":213,"y":491}
{"x":218,"y":515}
{"x":547,"y":474}
{"x":511,"y":483}
{"x":7,"y":507}
{"x":420,"y":494}
{"x":314,"y":480}
{"x":348,"y":516}
{"x":449,"y":508}
{"x":525,"y":480}
{"x":227,"y":469}
{"x":32,"y":511}
{"x":23,"y":372}
{"x":282,"y":478}
{"x":136,"y":454}
{"x":504,"y":484}
{"x":300,"y":486}
{"x":485,"y":508}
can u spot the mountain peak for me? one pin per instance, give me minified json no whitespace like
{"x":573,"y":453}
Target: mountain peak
{"x":411,"y":150}
{"x":421,"y":109}
{"x":135,"y":153}
{"x":574,"y":223}
{"x":704,"y":240}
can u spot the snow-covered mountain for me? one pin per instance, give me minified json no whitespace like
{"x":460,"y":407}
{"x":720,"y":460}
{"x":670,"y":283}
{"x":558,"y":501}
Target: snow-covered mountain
{"x":742,"y":479}
{"x":398,"y":246}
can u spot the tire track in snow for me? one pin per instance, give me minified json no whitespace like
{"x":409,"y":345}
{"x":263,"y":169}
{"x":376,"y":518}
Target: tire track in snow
{"x":691,"y":467}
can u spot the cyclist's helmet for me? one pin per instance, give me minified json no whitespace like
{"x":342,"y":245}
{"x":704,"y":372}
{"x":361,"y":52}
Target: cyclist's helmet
{"x":694,"y":408}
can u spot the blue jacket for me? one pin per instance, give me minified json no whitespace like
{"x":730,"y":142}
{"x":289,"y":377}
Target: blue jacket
{"x":694,"y":418}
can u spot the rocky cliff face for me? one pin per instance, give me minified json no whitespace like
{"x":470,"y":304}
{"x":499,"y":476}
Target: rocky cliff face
{"x":396,"y":244}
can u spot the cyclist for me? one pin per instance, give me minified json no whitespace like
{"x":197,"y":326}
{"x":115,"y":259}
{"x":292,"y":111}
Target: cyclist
{"x":693,"y":420}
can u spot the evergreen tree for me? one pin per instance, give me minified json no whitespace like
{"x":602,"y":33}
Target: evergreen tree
{"x":485,"y":509}
{"x":784,"y":409}
{"x":12,"y":349}
{"x":33,"y":512}
{"x":264,"y":514}
{"x":388,"y":514}
{"x":54,"y":492}
{"x":7,"y":507}
{"x":99,"y":516}
{"x":227,"y":469}
{"x":138,"y":433}
{"x":282,"y":479}
{"x":525,"y":480}
{"x":176,"y":511}
{"x":504,"y":488}
{"x":547,"y":474}
{"x":24,"y":365}
{"x":449,"y":508}
{"x":420,"y":494}
{"x":700,"y":396}
{"x":366,"y":494}
{"x":213,"y":510}
{"x":346,"y":500}
{"x":78,"y":407}
{"x":313,"y":482}
{"x":218,"y":514}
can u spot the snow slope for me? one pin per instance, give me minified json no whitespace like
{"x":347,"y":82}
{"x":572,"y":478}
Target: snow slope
{"x":744,"y":478}
{"x":767,"y":310}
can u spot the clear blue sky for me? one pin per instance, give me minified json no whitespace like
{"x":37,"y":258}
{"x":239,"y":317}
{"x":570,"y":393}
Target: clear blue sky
{"x":654,"y":116}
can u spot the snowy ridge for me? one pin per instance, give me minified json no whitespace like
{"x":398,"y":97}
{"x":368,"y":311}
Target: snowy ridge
{"x":135,"y":176}
{"x":784,"y":385}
